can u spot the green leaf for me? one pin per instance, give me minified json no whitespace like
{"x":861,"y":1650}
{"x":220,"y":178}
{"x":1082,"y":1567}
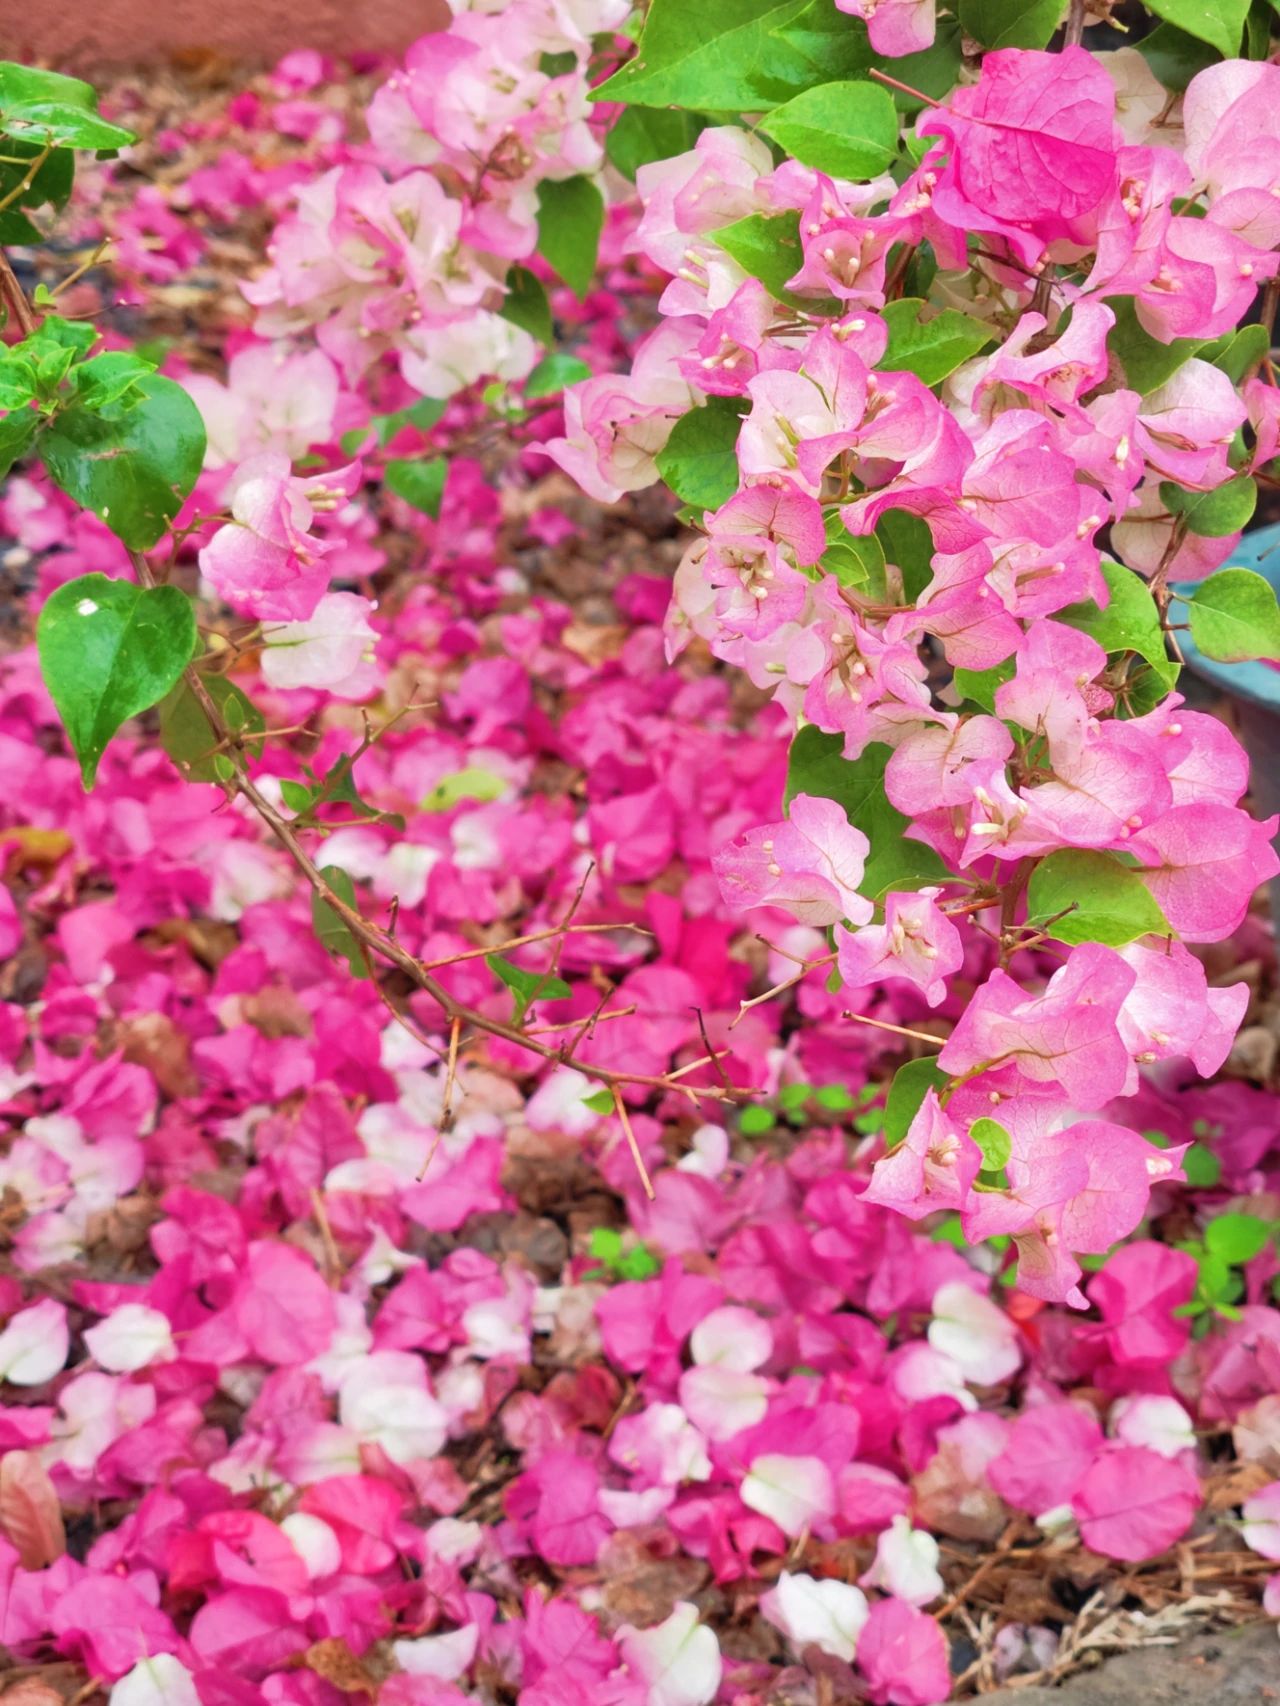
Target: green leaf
{"x":187,"y":737}
{"x":911,"y":1084}
{"x":1234,"y":617}
{"x":419,"y":483}
{"x":824,"y":43}
{"x":712,"y":57}
{"x":1218,"y":22}
{"x":332,"y":930}
{"x":599,"y":1101}
{"x":816,"y":766}
{"x":526,"y":986}
{"x":338,"y":787}
{"x":980,"y":684}
{"x":1212,"y":515}
{"x":1130,"y":622}
{"x":700,"y":461}
{"x":1236,"y":352}
{"x":932,"y":348}
{"x":754,"y":1122}
{"x":767,"y":245}
{"x":994,"y":1142}
{"x":553,"y":374}
{"x":132,"y":463}
{"x":1010,"y":23}
{"x":644,"y":134}
{"x":469,"y":784}
{"x":1111,"y":904}
{"x":854,"y":559}
{"x":848,"y":130}
{"x":107,"y":378}
{"x":108,"y":651}
{"x":1201,"y":1167}
{"x":570,"y":219}
{"x":51,"y":185}
{"x":44,"y":106}
{"x":17,"y":431}
{"x":1174,"y":56}
{"x":1147,"y":363}
{"x":908,"y":544}
{"x":1237,"y":1238}
{"x":526,"y":305}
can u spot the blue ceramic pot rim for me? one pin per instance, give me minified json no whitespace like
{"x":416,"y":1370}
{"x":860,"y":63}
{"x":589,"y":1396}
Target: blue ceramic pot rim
{"x":1257,"y":683}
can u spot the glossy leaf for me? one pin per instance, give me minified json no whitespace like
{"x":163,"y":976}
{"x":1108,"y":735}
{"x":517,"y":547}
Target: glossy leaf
{"x":1226,"y":509}
{"x":188,"y":738}
{"x":332,"y":930}
{"x":526,"y":305}
{"x":108,"y":651}
{"x":848,"y":130}
{"x":44,"y":106}
{"x":911,"y":1084}
{"x":1010,"y":23}
{"x":133,"y":463}
{"x":1218,"y":22}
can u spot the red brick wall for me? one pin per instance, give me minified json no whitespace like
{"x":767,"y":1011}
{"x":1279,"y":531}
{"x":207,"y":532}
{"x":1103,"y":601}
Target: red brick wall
{"x":83,"y":35}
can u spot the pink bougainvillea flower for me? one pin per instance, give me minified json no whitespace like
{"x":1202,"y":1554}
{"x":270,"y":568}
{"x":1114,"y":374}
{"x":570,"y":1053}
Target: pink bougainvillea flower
{"x":810,"y":865}
{"x":896,"y":27}
{"x":1133,"y":1504}
{"x":331,"y":650}
{"x":267,"y":562}
{"x":902,"y":1653}
{"x":826,"y":1614}
{"x":917,"y":942}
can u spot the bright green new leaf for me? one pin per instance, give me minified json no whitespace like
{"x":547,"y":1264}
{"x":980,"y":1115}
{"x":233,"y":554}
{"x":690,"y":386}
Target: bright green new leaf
{"x":699,"y":461}
{"x":570,"y":220}
{"x":418,"y":483}
{"x":1234,"y":617}
{"x":848,"y":130}
{"x":1219,"y":22}
{"x":754,"y":1122}
{"x":1130,"y":622}
{"x":599,"y":1101}
{"x":469,"y":784}
{"x":526,"y":986}
{"x":932,"y":348}
{"x":132,"y":463}
{"x":816,"y":766}
{"x":1010,"y":23}
{"x":1212,"y":515}
{"x":43,"y":106}
{"x":105,"y":379}
{"x":526,"y":304}
{"x":187,"y":737}
{"x":994,"y":1142}
{"x":332,"y":930}
{"x":553,"y":374}
{"x":1201,"y":1167}
{"x":911,"y":1084}
{"x":1237,"y":1238}
{"x":717,"y":56}
{"x":1108,"y":901}
{"x":108,"y":651}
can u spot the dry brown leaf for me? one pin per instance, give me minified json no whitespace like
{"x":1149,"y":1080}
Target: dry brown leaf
{"x":333,"y":1660}
{"x":29,"y":1511}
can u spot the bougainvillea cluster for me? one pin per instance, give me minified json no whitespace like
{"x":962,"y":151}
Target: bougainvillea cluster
{"x":871,"y":1217}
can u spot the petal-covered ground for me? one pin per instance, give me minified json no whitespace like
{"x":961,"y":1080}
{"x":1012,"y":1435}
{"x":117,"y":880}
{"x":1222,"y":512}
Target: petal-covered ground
{"x":337,"y":1369}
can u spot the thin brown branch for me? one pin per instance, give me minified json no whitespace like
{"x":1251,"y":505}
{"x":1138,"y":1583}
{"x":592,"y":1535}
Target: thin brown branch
{"x":621,"y":1109}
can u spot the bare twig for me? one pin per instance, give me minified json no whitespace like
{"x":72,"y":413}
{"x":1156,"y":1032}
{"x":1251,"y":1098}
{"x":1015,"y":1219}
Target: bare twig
{"x":621,"y":1108}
